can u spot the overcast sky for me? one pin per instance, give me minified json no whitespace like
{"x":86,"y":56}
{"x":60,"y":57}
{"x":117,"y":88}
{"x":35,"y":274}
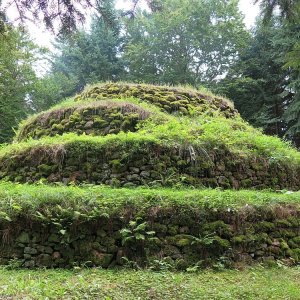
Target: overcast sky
{"x":44,"y":38}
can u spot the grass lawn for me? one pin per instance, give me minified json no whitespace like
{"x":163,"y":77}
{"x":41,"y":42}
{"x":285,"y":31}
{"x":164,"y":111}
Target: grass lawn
{"x":252,"y":283}
{"x":93,"y":201}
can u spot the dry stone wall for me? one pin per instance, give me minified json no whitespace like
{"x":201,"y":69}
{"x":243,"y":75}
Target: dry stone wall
{"x":141,"y":159}
{"x":149,"y":164}
{"x":175,"y":237}
{"x":98,"y":118}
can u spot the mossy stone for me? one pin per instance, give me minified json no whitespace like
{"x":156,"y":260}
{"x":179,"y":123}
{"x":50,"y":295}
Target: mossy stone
{"x":218,"y":227}
{"x":296,"y":240}
{"x":23,"y":238}
{"x":54,"y":238}
{"x":264,"y":226}
{"x":101,"y":259}
{"x":222,"y":243}
{"x":181,"y":264}
{"x":240,"y":239}
{"x":284,"y":245}
{"x":45,"y":169}
{"x":44,"y":260}
{"x":182,"y":240}
{"x":117,"y":166}
{"x":283,"y":223}
{"x":57,"y":127}
{"x":173,"y":230}
{"x":171,"y":251}
{"x":159,"y":228}
{"x":29,"y":250}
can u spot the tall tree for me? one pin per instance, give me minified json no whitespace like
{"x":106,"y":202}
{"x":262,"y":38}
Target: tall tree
{"x":263,"y":91}
{"x":51,"y":89}
{"x":292,"y":113}
{"x":184,"y":41}
{"x":92,"y":56}
{"x":16,"y":78}
{"x":290,"y":17}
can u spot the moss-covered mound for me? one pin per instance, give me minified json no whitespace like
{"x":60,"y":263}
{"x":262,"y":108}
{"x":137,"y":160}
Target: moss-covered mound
{"x":147,"y":137}
{"x":170,"y":99}
{"x":119,"y":138}
{"x":94,"y":118}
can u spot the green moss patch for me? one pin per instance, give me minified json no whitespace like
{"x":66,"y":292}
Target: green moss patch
{"x":94,"y":118}
{"x":185,"y":101}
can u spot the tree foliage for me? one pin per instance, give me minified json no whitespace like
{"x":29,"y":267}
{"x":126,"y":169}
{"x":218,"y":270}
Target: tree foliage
{"x":88,"y":57}
{"x":184,"y":41}
{"x":289,"y":12}
{"x":50,"y":90}
{"x":66,"y":12}
{"x":16,"y":78}
{"x":289,"y":9}
{"x":264,"y":92}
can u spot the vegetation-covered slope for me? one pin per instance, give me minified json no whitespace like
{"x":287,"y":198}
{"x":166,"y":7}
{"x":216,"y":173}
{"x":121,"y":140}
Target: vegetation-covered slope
{"x":128,"y":135}
{"x":108,"y":227}
{"x":150,"y":138}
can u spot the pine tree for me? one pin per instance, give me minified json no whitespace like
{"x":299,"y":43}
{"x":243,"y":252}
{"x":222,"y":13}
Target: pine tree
{"x":16,"y":80}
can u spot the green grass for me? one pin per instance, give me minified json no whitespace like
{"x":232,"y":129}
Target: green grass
{"x":235,"y":135}
{"x":94,"y":201}
{"x":253,"y":283}
{"x":206,"y":131}
{"x":216,"y":131}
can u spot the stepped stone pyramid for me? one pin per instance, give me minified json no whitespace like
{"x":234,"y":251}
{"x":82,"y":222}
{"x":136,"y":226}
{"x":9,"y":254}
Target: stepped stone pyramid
{"x":61,"y":205}
{"x":130,"y":135}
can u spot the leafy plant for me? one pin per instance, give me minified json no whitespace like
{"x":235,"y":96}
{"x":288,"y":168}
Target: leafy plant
{"x":161,"y":265}
{"x":206,"y":240}
{"x":136,"y":232}
{"x":130,"y":264}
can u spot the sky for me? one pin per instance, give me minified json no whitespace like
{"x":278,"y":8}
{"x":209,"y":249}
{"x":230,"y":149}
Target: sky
{"x":45,"y":38}
{"x":250,"y":11}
